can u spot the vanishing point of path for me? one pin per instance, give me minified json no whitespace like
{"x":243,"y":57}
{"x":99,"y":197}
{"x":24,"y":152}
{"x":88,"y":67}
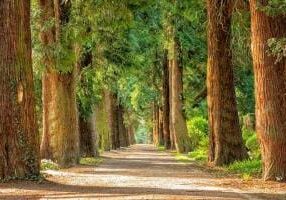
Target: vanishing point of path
{"x":141,"y":172}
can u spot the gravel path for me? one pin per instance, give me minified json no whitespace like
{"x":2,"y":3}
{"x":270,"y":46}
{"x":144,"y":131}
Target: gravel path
{"x":141,"y":172}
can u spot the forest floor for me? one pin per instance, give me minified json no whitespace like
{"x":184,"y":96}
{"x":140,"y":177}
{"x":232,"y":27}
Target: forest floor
{"x":141,"y":172}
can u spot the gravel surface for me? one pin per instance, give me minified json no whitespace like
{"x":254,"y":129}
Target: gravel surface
{"x":141,"y":172}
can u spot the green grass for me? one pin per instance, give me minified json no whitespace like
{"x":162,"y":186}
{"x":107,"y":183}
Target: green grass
{"x":48,"y":165}
{"x":161,"y":148}
{"x":198,"y":155}
{"x":91,"y":161}
{"x":246,"y":168}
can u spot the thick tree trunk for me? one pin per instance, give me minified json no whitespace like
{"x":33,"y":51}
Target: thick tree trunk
{"x":270,"y":92}
{"x":155,"y":124}
{"x":102,"y":124}
{"x":160,"y":128}
{"x":112,"y":108}
{"x":19,"y":153}
{"x":226,"y":144}
{"x":123,"y":135}
{"x":172,"y":140}
{"x":88,"y":137}
{"x":60,"y":140}
{"x":178,"y":121}
{"x":166,"y":104}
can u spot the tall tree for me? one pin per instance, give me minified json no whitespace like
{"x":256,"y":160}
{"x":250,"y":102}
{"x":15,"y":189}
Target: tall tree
{"x":60,"y":141}
{"x":19,"y":153}
{"x":226,"y":144}
{"x":178,"y":120}
{"x":270,"y":91}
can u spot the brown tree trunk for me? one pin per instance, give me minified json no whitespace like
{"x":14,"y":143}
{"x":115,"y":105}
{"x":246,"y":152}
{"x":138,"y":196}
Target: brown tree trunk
{"x":88,"y":137}
{"x":102,"y":124}
{"x":166,"y":104}
{"x":160,"y":128}
{"x":226,"y":144}
{"x":178,"y":121}
{"x":112,"y":108}
{"x":19,"y":152}
{"x":155,"y":124}
{"x":60,"y":141}
{"x":172,"y":140}
{"x":270,"y":92}
{"x":123,"y":135}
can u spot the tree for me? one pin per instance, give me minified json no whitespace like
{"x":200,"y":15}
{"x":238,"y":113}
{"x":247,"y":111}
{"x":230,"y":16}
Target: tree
{"x":269,"y":91}
{"x":226,"y":144}
{"x":60,"y":141}
{"x":19,"y":153}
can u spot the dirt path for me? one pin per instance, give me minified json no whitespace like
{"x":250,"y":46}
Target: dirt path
{"x":141,"y":172}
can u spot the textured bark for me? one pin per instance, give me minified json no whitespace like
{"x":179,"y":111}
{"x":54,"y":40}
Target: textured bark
{"x":178,"y":121}
{"x":226,"y":144}
{"x":155,"y":124}
{"x":112,"y":108}
{"x":123,"y":134}
{"x":270,"y":93}
{"x":19,"y":153}
{"x":102,"y":124}
{"x":60,"y":141}
{"x":160,"y":128}
{"x":172,"y":140}
{"x":88,"y":137}
{"x":166,"y":104}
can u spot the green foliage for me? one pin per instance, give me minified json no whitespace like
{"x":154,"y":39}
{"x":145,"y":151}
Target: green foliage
{"x":48,"y":165}
{"x":198,"y":130}
{"x":91,"y":161}
{"x":141,"y":135}
{"x":251,"y":142}
{"x":247,"y":168}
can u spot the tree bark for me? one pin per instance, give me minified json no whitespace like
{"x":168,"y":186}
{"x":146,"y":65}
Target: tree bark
{"x":270,"y":92}
{"x":60,"y":140}
{"x":123,"y":135}
{"x":19,"y":153}
{"x":112,"y":108}
{"x":88,"y":136}
{"x":226,"y":144}
{"x":178,"y":121}
{"x":166,"y":103}
{"x":155,"y":124}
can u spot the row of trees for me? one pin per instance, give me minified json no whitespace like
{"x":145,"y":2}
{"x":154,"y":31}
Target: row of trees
{"x":101,"y":68}
{"x":225,"y":137}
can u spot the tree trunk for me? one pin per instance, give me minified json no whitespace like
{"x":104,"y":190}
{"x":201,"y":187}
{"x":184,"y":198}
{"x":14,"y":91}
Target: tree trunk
{"x":60,"y":141}
{"x":178,"y":121}
{"x":172,"y":140}
{"x":112,"y":108}
{"x":102,"y":124}
{"x":226,"y":144}
{"x":270,"y":92}
{"x":123,"y":135}
{"x":160,"y":128}
{"x":166,"y":104}
{"x":155,"y":124}
{"x":19,"y":153}
{"x":88,"y":137}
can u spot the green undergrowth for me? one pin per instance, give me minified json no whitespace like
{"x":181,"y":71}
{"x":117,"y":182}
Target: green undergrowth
{"x":92,"y":161}
{"x":246,"y":169}
{"x":161,"y":148}
{"x":48,"y":165}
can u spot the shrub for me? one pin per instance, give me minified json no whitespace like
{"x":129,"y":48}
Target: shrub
{"x":48,"y":165}
{"x":251,"y":143}
{"x":246,"y":167}
{"x":197,"y":130}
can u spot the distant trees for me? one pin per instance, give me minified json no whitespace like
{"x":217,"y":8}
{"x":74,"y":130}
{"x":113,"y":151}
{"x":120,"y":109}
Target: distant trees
{"x":270,"y":91}
{"x":226,"y":144}
{"x":19,"y":140}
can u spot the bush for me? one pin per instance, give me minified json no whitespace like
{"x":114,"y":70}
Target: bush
{"x":197,"y":130}
{"x":48,"y":165}
{"x":90,"y":161}
{"x":246,"y":167}
{"x":251,"y":143}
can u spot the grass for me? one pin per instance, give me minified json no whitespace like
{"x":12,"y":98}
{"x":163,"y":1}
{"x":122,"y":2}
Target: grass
{"x":161,"y":148}
{"x":92,"y":161}
{"x":48,"y":165}
{"x":246,"y":168}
